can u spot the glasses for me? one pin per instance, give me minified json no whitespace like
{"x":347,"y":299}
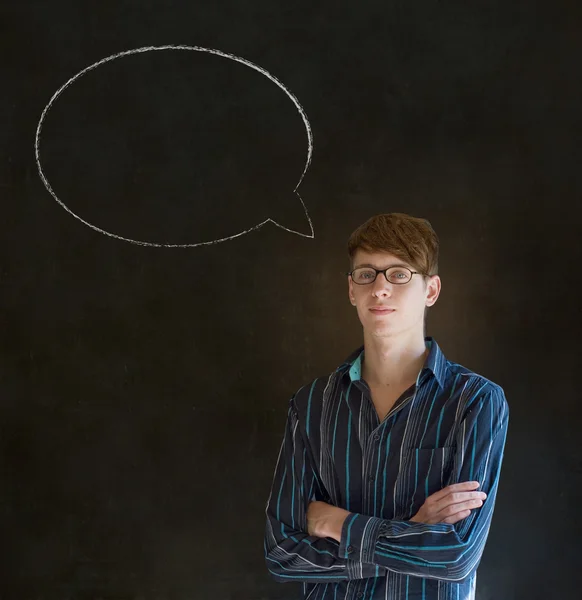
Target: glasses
{"x":367,"y":275}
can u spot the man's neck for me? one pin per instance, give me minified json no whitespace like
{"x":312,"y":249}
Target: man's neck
{"x":393,"y":362}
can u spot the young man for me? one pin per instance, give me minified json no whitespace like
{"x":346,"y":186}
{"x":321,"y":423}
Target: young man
{"x":387,"y":476}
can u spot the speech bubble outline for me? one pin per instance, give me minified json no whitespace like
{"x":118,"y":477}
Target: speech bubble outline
{"x":195,"y":49}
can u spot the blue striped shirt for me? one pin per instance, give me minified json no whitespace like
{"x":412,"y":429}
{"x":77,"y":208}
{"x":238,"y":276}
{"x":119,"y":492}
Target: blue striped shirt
{"x":449,"y":427}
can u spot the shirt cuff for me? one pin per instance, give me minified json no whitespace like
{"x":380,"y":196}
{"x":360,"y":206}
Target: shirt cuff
{"x":359,"y":537}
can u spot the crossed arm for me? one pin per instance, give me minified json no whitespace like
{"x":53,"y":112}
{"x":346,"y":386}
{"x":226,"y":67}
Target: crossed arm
{"x":339,"y":545}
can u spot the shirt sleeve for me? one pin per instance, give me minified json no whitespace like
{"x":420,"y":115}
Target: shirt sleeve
{"x":442,"y":551}
{"x":291,"y":554}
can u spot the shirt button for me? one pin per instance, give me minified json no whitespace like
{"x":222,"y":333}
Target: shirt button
{"x":360,"y":595}
{"x":376,"y":438}
{"x":350,"y":549}
{"x":371,"y":477}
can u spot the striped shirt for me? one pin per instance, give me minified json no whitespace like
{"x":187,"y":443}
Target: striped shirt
{"x":448,"y":427}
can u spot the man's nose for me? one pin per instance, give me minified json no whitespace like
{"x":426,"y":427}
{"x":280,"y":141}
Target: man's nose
{"x":381,"y":285}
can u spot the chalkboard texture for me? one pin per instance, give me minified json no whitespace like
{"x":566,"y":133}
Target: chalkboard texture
{"x":143,"y":388}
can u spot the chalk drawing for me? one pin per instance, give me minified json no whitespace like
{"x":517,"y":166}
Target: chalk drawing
{"x":37,"y":144}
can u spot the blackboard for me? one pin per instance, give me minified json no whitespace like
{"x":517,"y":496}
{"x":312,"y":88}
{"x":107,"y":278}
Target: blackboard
{"x":143,"y":387}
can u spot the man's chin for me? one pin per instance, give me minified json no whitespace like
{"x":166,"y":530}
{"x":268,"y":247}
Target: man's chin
{"x":380,"y":332}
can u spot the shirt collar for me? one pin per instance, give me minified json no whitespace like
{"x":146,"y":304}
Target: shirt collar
{"x":435,"y":362}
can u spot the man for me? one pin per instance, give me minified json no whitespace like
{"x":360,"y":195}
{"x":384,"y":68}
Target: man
{"x":387,"y":476}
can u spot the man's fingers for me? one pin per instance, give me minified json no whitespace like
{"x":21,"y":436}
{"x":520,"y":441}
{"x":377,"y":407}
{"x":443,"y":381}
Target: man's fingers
{"x":456,"y":518}
{"x":451,"y":504}
{"x":454,"y":513}
{"x":466,"y":486}
{"x":453,"y":509}
{"x":456,"y":498}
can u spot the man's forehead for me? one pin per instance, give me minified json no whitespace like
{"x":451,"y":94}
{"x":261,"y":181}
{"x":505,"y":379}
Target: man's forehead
{"x":377,"y":259}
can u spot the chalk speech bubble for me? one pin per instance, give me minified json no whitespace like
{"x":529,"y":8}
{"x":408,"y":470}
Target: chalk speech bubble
{"x":219,"y":53}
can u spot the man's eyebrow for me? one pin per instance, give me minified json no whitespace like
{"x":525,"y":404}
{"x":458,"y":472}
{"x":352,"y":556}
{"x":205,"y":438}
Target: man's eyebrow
{"x":388,"y":267}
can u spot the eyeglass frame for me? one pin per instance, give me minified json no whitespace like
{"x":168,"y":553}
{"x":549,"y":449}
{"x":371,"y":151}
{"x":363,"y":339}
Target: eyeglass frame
{"x":378,"y":271}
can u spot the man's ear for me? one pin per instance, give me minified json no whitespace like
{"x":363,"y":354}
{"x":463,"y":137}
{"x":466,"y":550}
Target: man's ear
{"x":351,"y":291}
{"x":433,"y":290}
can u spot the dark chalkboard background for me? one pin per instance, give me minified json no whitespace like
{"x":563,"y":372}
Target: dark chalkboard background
{"x":143,"y":390}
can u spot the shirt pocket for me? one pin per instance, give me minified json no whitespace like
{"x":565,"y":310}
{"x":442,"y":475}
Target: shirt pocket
{"x":423,"y":472}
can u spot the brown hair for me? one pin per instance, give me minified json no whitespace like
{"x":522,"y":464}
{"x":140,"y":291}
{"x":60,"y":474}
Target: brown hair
{"x":411,"y":239}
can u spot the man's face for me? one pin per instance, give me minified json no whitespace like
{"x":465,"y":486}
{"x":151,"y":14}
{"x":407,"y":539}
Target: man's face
{"x":406,"y":301}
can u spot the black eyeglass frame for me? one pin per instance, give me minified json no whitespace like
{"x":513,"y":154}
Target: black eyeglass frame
{"x":378,"y":271}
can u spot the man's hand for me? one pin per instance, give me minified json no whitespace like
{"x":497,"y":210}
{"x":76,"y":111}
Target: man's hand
{"x":451,"y":504}
{"x":325,"y":520}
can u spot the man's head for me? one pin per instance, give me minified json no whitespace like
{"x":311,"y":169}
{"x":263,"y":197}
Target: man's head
{"x":409,"y":245}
